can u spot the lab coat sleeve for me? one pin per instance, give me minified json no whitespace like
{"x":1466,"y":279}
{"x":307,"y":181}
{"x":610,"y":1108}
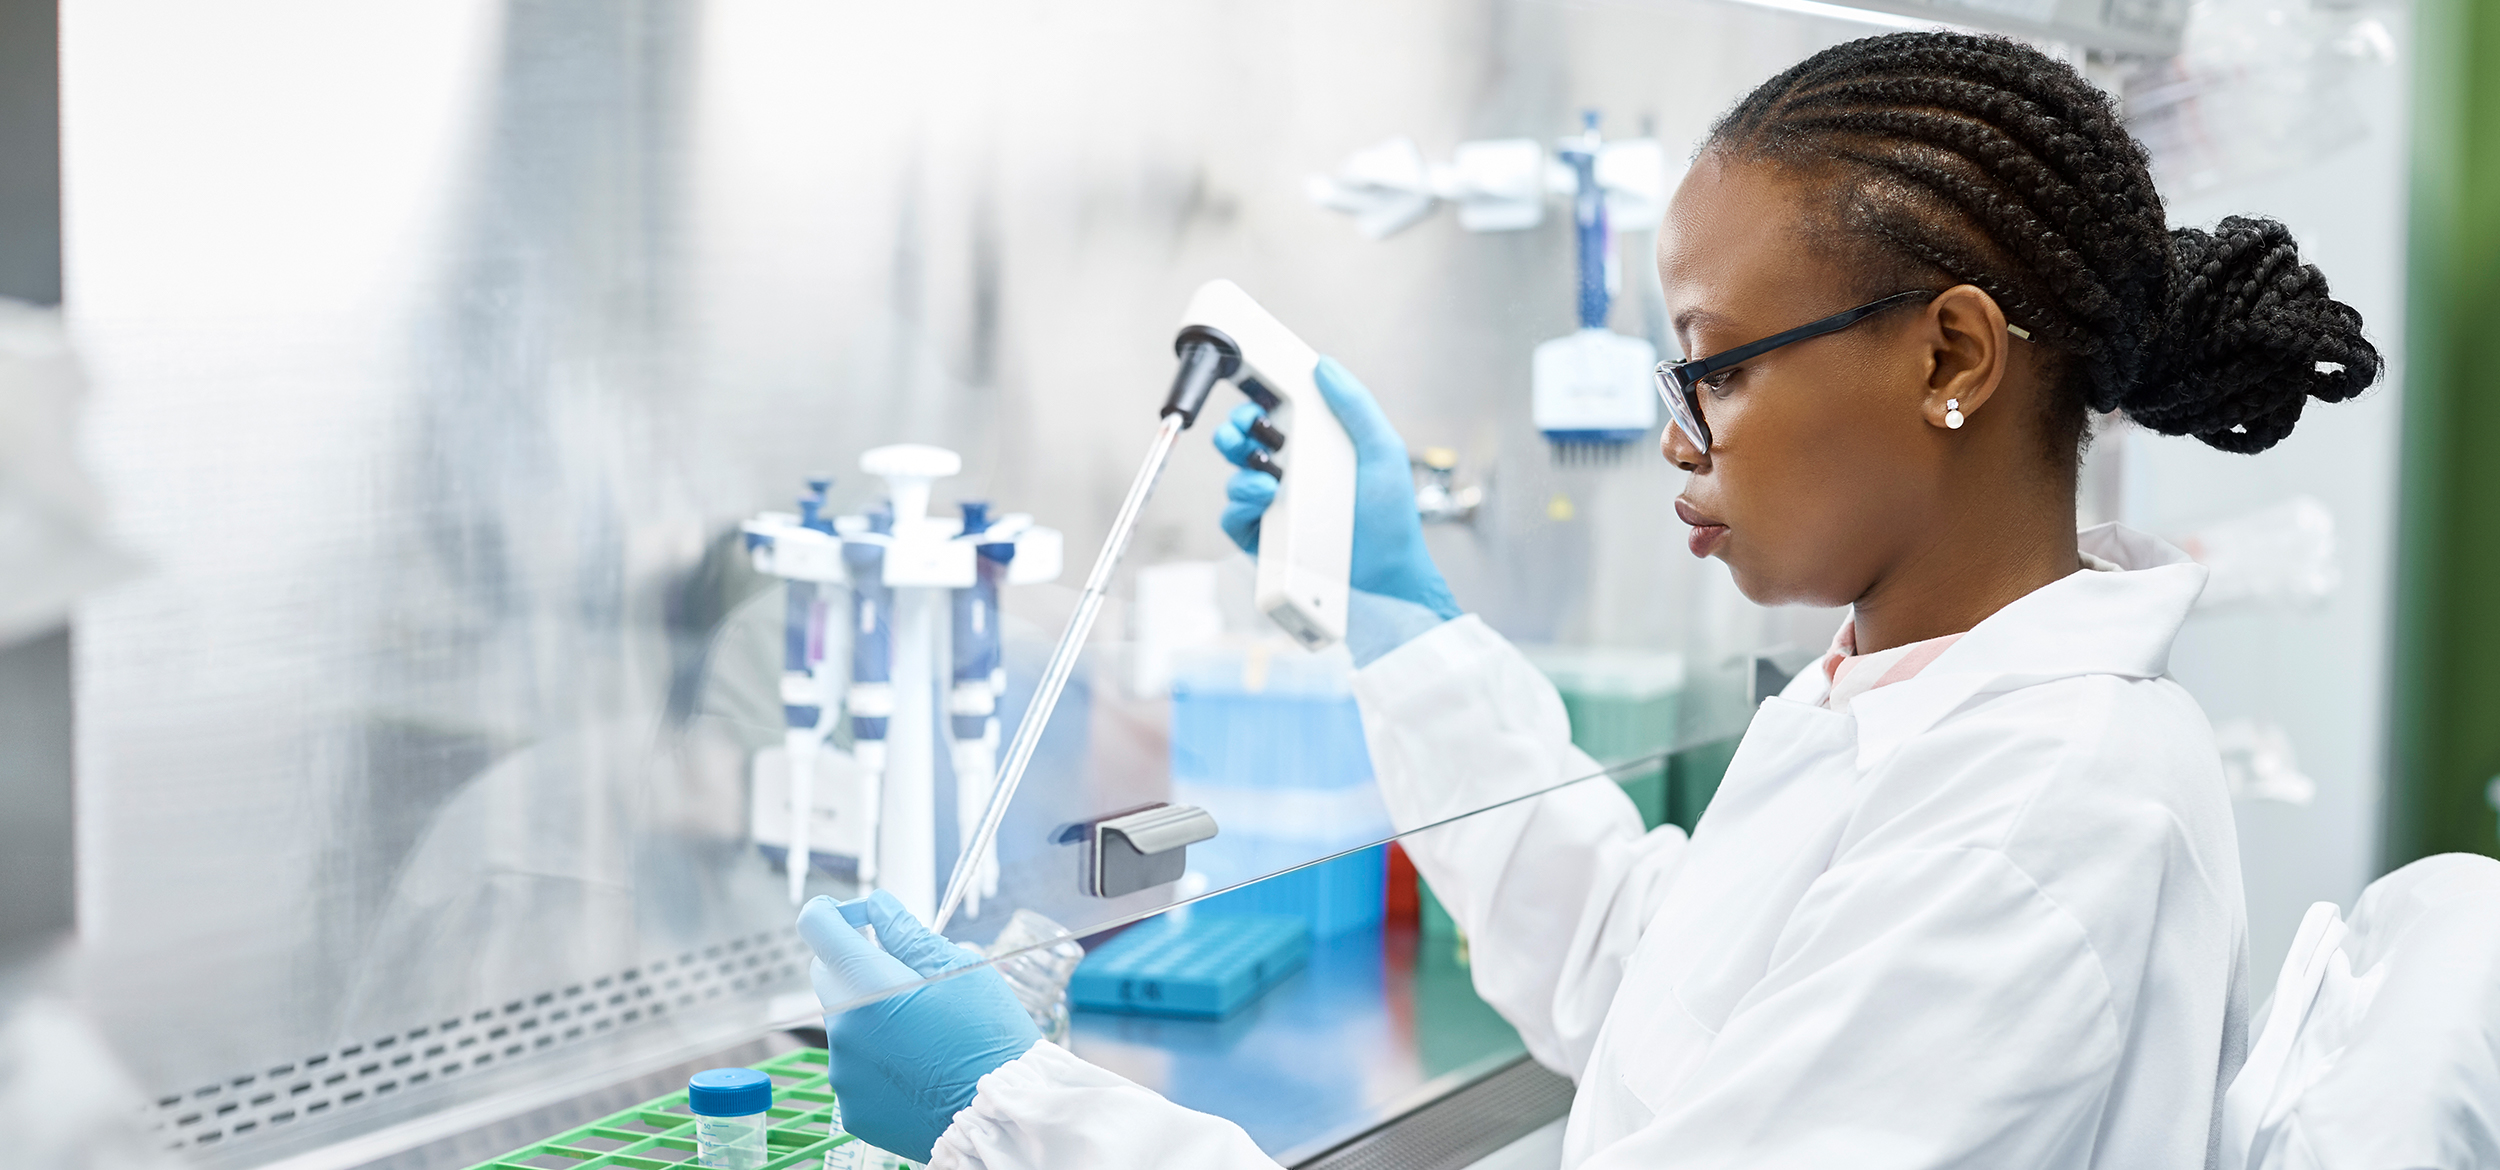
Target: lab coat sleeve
{"x":1552,"y":889}
{"x":2396,"y":1060}
{"x":1925,"y":1009}
{"x":1048,"y":1109}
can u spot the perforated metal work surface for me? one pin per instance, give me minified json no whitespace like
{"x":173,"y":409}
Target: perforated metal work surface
{"x":1460,"y":1128}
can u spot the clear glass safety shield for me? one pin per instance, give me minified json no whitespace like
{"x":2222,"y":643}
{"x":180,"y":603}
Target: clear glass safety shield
{"x":1177,"y":774}
{"x":1268,"y":1005}
{"x":571,"y":492}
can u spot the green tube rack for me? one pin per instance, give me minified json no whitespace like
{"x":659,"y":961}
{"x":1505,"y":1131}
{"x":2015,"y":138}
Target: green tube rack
{"x":659,"y":1134}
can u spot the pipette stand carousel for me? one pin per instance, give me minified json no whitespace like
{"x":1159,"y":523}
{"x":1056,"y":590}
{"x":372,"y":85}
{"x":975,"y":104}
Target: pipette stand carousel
{"x":922,"y":618}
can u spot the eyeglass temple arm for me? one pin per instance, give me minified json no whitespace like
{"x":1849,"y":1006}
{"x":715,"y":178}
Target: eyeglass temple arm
{"x":1754,"y":349}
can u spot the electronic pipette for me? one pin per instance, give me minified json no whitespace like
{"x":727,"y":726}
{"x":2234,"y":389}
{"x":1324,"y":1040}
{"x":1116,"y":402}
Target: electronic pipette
{"x":1306,"y":539}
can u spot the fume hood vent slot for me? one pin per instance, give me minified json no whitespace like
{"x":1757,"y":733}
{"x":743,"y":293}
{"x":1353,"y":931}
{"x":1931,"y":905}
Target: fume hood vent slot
{"x":283,"y":1094}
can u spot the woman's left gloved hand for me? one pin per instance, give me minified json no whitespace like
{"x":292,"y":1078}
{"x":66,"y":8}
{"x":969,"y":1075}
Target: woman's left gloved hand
{"x":904,"y":1065}
{"x":1390,"y":560}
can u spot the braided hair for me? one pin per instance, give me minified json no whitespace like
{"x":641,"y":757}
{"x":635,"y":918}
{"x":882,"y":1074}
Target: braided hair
{"x":1951,"y":158}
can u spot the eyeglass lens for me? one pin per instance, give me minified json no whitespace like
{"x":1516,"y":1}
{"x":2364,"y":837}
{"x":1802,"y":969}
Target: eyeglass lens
{"x":1680,"y":410}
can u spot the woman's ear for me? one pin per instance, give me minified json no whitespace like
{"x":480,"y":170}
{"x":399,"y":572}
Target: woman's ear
{"x":1968,"y":347}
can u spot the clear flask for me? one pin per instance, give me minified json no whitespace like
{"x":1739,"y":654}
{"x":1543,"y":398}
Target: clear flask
{"x":1040,"y":974}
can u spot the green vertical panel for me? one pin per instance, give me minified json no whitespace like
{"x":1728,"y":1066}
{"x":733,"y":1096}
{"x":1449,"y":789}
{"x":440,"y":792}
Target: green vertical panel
{"x":30,"y":151}
{"x":2447,"y":701}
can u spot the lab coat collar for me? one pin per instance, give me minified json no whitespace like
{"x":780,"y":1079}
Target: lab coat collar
{"x":2091,"y":622}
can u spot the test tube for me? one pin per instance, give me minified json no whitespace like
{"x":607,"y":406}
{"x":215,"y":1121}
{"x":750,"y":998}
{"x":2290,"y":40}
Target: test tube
{"x":729,"y":1107}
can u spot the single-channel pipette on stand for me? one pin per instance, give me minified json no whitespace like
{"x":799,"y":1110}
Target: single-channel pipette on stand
{"x":1306,"y":539}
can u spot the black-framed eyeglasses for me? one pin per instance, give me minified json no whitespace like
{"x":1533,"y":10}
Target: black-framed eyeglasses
{"x":1679,"y":383}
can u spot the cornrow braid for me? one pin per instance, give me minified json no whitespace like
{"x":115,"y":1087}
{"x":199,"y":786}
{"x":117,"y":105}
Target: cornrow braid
{"x":1953,"y":158}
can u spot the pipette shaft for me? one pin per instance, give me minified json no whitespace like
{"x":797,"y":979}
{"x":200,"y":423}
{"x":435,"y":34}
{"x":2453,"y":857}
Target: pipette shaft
{"x":1063,"y":658}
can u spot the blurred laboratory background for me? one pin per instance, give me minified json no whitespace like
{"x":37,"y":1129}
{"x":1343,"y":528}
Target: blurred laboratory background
{"x":461,"y":463}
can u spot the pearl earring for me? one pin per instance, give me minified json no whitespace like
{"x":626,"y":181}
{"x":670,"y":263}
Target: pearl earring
{"x":1953,"y":414}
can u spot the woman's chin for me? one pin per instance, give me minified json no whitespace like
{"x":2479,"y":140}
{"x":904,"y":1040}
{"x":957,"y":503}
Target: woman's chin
{"x":1769,"y":588}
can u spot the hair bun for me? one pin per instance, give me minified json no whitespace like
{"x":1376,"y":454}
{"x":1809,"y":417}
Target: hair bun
{"x":2248,"y":336}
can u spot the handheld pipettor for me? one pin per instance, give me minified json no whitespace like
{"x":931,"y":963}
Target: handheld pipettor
{"x":1306,"y":542}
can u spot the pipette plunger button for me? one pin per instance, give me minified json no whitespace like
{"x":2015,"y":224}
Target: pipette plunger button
{"x":1267,"y":434}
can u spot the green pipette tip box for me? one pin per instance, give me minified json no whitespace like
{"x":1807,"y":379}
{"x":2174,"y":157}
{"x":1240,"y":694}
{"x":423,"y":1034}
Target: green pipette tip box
{"x":659,"y":1134}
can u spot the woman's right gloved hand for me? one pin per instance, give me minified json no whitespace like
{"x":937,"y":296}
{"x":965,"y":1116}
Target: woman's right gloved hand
{"x":1389,"y":555}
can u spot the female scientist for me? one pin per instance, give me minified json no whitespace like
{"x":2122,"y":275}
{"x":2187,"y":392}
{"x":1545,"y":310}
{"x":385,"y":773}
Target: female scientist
{"x":1968,"y":895}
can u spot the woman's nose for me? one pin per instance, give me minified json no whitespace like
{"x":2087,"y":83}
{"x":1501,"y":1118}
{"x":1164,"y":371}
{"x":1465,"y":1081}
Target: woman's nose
{"x":1680,"y":449}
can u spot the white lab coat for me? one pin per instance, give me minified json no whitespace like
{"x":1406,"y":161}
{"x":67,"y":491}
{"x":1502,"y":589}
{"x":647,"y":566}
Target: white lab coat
{"x":2382,"y":1047}
{"x":1990,"y":918}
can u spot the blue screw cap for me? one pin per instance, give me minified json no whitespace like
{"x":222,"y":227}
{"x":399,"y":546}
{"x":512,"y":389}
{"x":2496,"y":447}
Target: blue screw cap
{"x":729,"y":1092}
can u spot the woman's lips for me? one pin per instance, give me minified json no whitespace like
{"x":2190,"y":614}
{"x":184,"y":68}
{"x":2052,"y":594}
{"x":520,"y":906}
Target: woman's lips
{"x":1704,"y":538}
{"x":1707,"y":533}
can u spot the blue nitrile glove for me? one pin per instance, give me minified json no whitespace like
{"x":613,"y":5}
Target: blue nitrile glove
{"x":903,"y":1066}
{"x":1389,"y":555}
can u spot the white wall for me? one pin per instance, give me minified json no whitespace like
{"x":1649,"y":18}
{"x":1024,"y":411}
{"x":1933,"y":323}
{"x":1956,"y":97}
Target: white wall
{"x":2319,"y":672}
